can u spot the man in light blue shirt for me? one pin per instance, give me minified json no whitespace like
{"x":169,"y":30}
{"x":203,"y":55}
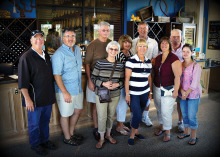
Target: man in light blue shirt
{"x":66,"y":63}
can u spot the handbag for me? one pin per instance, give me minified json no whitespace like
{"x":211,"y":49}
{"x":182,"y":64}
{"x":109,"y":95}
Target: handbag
{"x":103,"y":92}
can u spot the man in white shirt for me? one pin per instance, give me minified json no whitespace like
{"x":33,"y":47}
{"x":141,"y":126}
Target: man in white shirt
{"x":151,"y":53}
{"x":175,"y":38}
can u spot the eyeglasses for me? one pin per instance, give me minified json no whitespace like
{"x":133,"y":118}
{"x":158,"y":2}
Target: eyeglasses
{"x":41,"y":38}
{"x":70,"y":36}
{"x":116,"y":50}
{"x":107,"y":30}
{"x":175,"y":36}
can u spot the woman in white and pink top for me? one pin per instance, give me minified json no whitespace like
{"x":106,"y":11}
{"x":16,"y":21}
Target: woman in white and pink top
{"x":190,"y":93}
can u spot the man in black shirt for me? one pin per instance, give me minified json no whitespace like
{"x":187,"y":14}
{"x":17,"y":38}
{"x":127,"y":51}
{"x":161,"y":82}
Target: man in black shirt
{"x":35,"y":79}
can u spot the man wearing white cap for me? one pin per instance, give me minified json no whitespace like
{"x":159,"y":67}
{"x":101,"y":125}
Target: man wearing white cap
{"x":35,"y":79}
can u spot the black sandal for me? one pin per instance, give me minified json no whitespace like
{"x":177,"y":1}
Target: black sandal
{"x":72,"y":142}
{"x":160,"y":131}
{"x":193,"y":140}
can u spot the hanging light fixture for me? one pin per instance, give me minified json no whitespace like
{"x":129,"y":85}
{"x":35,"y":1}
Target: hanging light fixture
{"x":94,"y":16}
{"x":14,"y":8}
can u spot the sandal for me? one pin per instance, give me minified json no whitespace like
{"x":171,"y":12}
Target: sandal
{"x":165,"y":136}
{"x":182,"y":136}
{"x":72,"y":142}
{"x":159,"y":132}
{"x":193,"y":140}
{"x":123,"y":132}
{"x":126,"y":128}
{"x":110,"y":139}
{"x":100,"y":144}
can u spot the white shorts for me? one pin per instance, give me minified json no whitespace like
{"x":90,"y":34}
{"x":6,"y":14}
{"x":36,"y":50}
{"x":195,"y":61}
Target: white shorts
{"x":67,"y":109}
{"x":90,"y":95}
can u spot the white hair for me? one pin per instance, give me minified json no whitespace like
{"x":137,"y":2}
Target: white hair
{"x":113,"y":43}
{"x":176,"y":30}
{"x":103,"y":23}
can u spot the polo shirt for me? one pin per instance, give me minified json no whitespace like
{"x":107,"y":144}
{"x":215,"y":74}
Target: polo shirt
{"x":35,"y":74}
{"x":138,"y":83}
{"x":68,"y":65}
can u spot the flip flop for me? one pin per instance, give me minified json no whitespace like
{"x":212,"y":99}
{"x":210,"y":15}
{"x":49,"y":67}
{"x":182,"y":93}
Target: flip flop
{"x":182,"y":136}
{"x":160,"y":131}
{"x":123,"y":132}
{"x":141,"y":137}
{"x":165,"y":136}
{"x":193,"y":140}
{"x":126,"y":128}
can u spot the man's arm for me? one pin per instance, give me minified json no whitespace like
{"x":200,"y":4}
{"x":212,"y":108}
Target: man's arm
{"x":88,"y":74}
{"x":66,"y":95}
{"x":28,"y":102}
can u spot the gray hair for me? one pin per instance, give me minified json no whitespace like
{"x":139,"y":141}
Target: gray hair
{"x":113,"y":43}
{"x":176,"y":30}
{"x":103,"y":23}
{"x":143,"y":23}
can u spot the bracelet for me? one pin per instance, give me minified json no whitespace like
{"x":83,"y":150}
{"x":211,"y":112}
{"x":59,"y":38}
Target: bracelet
{"x":151,"y":93}
{"x":128,"y":95}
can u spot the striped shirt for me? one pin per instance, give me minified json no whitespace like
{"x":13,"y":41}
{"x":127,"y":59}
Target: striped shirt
{"x":138,"y":83}
{"x":122,"y":58}
{"x":102,"y":72}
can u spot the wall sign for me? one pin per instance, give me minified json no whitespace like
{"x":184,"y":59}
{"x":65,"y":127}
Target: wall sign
{"x":214,"y":35}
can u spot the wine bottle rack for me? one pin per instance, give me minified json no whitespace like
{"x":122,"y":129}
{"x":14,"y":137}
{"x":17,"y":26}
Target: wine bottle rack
{"x":156,"y":29}
{"x":15,"y":38}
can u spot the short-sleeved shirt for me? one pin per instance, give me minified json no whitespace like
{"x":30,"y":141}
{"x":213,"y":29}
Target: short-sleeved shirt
{"x":152,"y":50}
{"x":163,"y":73}
{"x":138,"y":83}
{"x":68,"y":64}
{"x":35,"y":74}
{"x":95,"y":51}
{"x":178,"y":52}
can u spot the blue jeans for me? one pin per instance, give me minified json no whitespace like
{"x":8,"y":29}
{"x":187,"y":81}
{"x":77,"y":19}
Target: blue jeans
{"x":38,"y":125}
{"x":138,"y":104}
{"x":189,"y":108}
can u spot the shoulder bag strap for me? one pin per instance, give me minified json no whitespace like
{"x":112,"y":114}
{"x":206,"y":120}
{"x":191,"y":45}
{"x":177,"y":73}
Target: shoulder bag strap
{"x":113,"y":70}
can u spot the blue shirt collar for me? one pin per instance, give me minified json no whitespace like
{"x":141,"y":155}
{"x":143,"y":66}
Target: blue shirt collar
{"x":67,"y":47}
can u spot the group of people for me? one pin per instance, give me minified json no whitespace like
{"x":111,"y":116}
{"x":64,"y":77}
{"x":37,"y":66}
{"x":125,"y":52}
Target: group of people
{"x":142,"y":70}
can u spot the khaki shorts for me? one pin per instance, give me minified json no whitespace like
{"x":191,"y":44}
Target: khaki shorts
{"x":67,"y":109}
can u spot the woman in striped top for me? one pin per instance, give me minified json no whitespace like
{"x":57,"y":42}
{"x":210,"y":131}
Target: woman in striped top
{"x":125,"y":42}
{"x":138,"y":85}
{"x":100,"y":77}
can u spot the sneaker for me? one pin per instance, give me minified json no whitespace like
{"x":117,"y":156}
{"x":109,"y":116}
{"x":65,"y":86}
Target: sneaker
{"x":180,"y":127}
{"x":39,"y":150}
{"x":147,"y":121}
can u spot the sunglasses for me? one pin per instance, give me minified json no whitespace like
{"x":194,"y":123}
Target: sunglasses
{"x":116,"y":50}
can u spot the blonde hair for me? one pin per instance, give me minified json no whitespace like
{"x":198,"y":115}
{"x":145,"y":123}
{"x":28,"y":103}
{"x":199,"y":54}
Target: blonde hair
{"x":140,"y":41}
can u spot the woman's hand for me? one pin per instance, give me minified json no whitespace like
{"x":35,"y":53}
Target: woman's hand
{"x":128,"y":99}
{"x":114,"y":85}
{"x":107,"y":84}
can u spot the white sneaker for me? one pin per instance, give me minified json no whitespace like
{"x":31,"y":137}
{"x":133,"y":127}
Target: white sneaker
{"x":147,"y":121}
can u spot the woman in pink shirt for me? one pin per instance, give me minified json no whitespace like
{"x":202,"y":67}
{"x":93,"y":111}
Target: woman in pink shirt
{"x":190,"y":93}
